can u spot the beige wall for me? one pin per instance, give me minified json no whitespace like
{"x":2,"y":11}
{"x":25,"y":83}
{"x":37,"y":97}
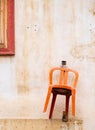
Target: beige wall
{"x":46,"y":32}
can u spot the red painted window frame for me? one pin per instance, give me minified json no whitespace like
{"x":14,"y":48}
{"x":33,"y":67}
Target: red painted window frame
{"x":10,"y":50}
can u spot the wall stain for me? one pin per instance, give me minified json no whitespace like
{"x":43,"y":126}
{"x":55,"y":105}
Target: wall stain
{"x":23,"y":90}
{"x":35,"y":7}
{"x":23,"y":86}
{"x":94,"y":12}
{"x":92,"y":9}
{"x":23,"y":70}
{"x":48,"y":23}
{"x":48,"y":18}
{"x":86,"y":51}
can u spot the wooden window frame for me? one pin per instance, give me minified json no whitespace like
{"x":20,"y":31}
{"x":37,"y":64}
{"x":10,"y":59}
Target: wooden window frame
{"x":10,"y":49}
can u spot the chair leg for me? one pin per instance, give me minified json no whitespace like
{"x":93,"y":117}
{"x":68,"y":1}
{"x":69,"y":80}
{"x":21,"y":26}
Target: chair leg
{"x":47,"y":99}
{"x":67,"y":103}
{"x":52,"y":105}
{"x":73,"y":105}
{"x":65,"y":113}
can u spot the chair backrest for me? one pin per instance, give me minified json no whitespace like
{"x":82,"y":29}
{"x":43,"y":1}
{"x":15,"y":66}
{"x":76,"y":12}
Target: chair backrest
{"x":64,"y":76}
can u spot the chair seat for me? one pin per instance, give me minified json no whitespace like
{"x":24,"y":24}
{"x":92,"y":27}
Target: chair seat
{"x":61,"y":91}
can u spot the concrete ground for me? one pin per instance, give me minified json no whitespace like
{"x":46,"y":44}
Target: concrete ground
{"x":39,"y":124}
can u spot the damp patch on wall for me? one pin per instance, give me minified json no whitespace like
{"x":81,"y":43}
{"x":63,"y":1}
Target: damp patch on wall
{"x":84,"y":51}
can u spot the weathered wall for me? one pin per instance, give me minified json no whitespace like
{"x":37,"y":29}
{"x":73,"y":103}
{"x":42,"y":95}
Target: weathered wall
{"x":46,"y":32}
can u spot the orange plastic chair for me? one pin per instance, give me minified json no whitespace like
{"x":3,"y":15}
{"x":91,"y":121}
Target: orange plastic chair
{"x":62,"y":86}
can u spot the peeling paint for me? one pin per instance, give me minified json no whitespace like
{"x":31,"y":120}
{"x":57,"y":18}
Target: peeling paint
{"x":84,"y":51}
